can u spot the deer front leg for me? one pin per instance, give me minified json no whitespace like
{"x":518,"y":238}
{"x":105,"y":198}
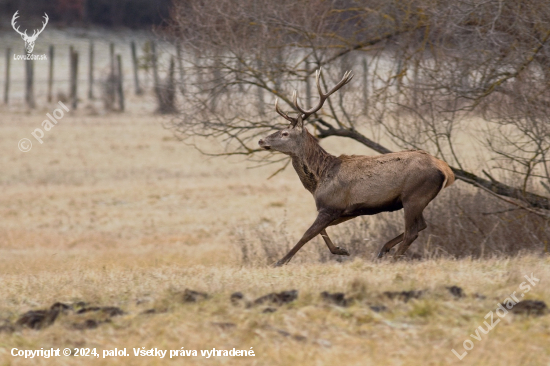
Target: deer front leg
{"x":333,"y":248}
{"x":321,"y":222}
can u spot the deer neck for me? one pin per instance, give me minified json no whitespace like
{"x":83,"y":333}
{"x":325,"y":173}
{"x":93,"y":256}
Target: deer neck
{"x":312,"y":163}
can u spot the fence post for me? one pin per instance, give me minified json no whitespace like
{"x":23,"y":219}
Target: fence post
{"x":120,"y":89}
{"x":416,"y":83}
{"x":71,"y":51}
{"x":216,"y":89}
{"x":50,"y":73}
{"x":29,"y":84}
{"x":112,"y":57}
{"x":155,"y":69}
{"x":308,"y":85}
{"x":260,"y":89}
{"x":278,"y":69}
{"x":181,"y":69}
{"x":111,"y":82}
{"x":139,"y":91}
{"x":91,"y":72}
{"x":169,"y":92}
{"x":74,"y":77}
{"x":7,"y":80}
{"x":365,"y":86}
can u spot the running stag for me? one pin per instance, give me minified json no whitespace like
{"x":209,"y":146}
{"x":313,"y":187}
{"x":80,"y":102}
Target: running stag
{"x":348,"y":186}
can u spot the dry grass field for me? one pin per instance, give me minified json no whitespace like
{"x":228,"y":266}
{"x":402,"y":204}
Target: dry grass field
{"x":111,"y":210}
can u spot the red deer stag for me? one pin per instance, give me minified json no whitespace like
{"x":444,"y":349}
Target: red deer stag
{"x":348,"y":186}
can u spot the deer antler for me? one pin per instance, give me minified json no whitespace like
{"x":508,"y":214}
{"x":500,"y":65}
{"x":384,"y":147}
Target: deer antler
{"x":35,"y":34}
{"x":292,"y":121}
{"x":322,"y":97}
{"x":15,"y":16}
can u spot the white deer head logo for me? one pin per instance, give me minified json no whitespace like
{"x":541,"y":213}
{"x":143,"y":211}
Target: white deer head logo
{"x":29,"y":41}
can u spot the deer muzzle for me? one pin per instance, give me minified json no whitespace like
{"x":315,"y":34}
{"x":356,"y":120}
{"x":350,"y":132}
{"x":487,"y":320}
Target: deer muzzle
{"x":264,"y":144}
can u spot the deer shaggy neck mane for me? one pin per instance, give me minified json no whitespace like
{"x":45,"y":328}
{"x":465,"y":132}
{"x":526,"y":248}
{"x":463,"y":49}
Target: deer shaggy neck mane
{"x":313,"y":163}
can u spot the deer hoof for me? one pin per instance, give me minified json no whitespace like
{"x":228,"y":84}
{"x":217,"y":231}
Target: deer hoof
{"x":340,"y":251}
{"x":279,"y":263}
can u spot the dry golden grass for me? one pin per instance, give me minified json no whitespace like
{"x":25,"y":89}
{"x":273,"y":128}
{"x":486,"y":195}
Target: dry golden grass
{"x":113,"y":211}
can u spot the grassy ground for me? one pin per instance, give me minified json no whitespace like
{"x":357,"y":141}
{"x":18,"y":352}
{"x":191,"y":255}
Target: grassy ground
{"x":112,"y":211}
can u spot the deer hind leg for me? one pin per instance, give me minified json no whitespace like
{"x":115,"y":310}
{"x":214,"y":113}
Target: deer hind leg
{"x":414,"y":223}
{"x":418,"y":197}
{"x":398,"y":239}
{"x":333,"y":248}
{"x":321,"y":222}
{"x":390,"y":244}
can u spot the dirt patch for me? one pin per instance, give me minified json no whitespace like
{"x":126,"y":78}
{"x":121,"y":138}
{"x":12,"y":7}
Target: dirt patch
{"x":279,"y":298}
{"x":274,"y":298}
{"x":107,"y":310}
{"x":337,"y":298}
{"x":89,"y":324}
{"x":223,"y":325}
{"x":193,"y":296}
{"x":530,"y":307}
{"x":237,"y":298}
{"x":153,"y":311}
{"x":456,"y":291}
{"x":378,"y":308}
{"x":40,"y":319}
{"x":37,"y":319}
{"x":404,"y":295}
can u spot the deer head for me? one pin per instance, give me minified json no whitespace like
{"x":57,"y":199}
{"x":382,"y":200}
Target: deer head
{"x":290,"y":140}
{"x":29,"y":41}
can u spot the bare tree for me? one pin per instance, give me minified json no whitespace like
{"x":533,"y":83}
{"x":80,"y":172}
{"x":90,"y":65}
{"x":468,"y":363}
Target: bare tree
{"x":433,"y":67}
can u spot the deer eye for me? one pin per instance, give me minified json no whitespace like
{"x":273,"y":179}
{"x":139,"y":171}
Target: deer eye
{"x":284,"y":133}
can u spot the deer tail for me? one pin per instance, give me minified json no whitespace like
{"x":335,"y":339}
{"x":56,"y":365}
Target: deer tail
{"x":448,"y":173}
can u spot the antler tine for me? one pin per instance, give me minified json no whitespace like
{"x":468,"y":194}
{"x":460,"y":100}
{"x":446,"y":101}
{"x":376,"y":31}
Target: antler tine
{"x":295,"y":100}
{"x":346,"y":79}
{"x":284,"y":115}
{"x":322,"y":96}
